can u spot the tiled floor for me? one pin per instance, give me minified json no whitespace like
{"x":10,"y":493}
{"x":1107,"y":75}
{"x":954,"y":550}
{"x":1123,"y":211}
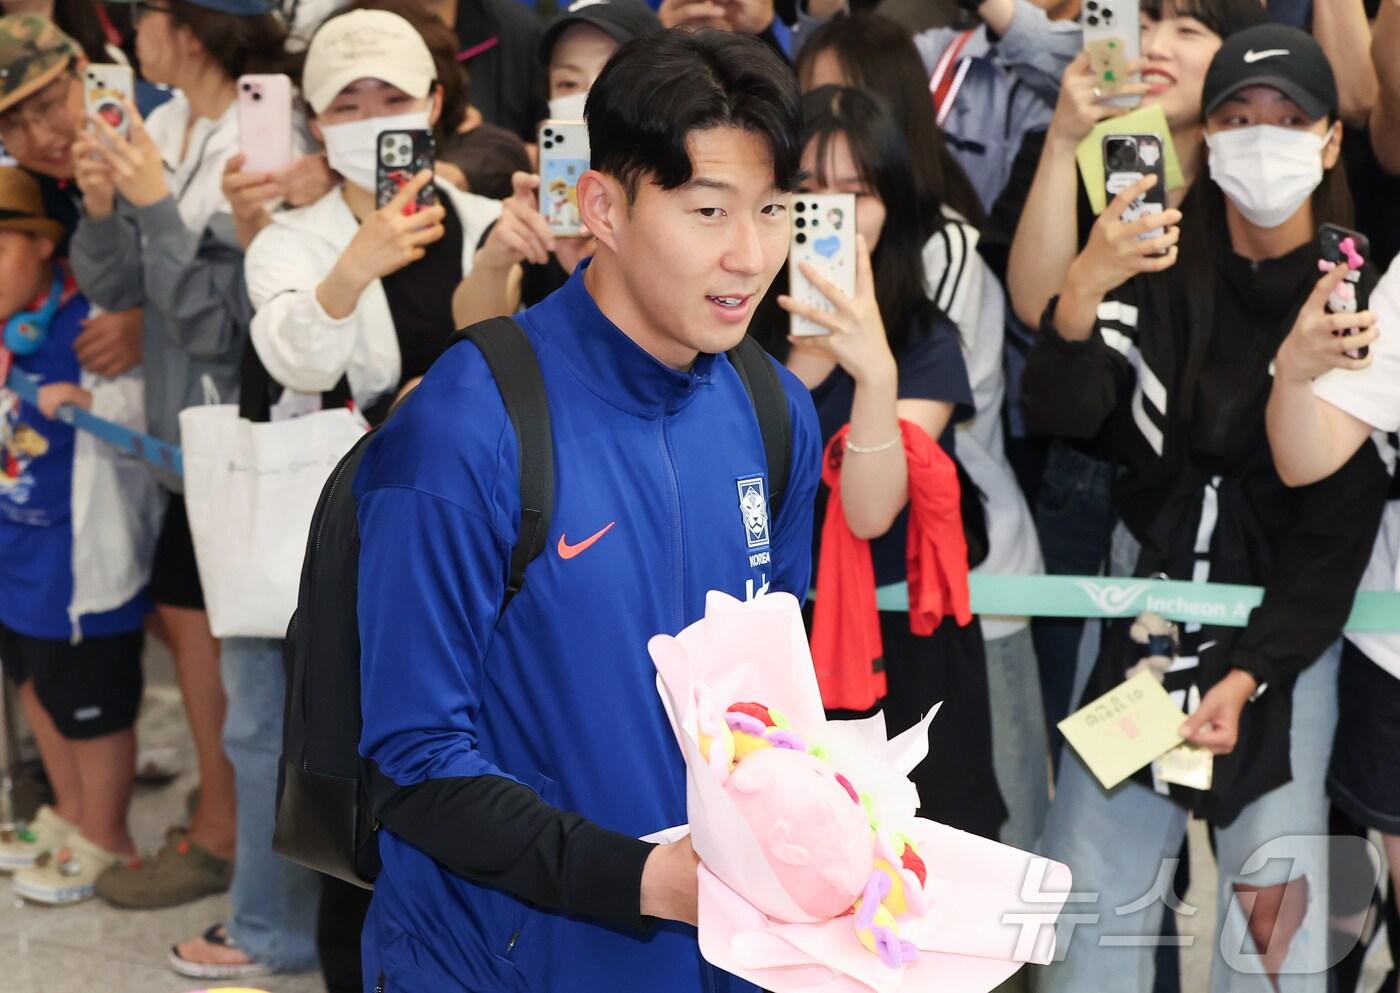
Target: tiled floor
{"x":92,"y":948}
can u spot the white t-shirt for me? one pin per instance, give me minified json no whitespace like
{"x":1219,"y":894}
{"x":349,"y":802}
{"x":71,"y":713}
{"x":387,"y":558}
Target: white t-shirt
{"x":1373,"y":395}
{"x":972,"y":297}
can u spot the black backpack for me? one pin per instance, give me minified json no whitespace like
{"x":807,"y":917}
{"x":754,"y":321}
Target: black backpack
{"x":326,"y":818}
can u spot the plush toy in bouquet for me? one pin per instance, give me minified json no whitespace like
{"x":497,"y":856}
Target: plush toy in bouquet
{"x":816,"y":874}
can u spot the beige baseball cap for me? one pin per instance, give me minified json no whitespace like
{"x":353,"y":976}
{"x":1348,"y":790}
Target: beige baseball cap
{"x":366,"y":44}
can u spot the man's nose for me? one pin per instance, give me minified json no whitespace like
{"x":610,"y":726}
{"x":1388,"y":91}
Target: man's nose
{"x":745,"y":254}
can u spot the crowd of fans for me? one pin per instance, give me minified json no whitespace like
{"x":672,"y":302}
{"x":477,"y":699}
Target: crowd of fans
{"x":1162,"y":395}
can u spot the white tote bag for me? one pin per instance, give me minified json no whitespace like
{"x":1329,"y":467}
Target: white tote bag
{"x":250,"y":491}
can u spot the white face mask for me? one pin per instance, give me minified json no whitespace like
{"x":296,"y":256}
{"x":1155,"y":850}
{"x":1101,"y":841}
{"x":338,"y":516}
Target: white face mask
{"x":351,"y":147}
{"x":1268,"y":172}
{"x":569,"y":108}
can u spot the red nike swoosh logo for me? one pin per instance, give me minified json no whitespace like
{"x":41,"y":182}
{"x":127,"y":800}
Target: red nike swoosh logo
{"x":568,"y":551}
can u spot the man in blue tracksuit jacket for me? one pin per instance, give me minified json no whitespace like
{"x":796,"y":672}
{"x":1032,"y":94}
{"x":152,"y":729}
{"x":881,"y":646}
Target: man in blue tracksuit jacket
{"x":528,"y":756}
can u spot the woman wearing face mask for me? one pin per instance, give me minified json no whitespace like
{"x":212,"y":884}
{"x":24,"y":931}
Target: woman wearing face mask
{"x":351,"y":298}
{"x":521,"y":261}
{"x":156,"y":233}
{"x":1072,"y":502}
{"x":1178,"y":40}
{"x":1158,"y":351}
{"x":891,"y":369}
{"x":343,"y":288}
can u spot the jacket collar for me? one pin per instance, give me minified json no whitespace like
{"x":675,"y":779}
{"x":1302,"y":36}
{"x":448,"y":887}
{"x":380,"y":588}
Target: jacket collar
{"x":607,"y":362}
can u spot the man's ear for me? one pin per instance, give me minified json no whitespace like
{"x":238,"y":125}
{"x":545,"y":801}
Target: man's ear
{"x":1332,"y":151}
{"x":45,"y":246}
{"x":602,"y":204}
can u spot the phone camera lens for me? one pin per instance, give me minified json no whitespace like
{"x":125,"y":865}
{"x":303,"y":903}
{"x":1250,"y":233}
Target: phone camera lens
{"x":801,"y":206}
{"x":1093,"y":20}
{"x":247,"y":87}
{"x":257,"y":96}
{"x":801,"y":238}
{"x":815,"y":222}
{"x":801,"y":222}
{"x":549,"y":132}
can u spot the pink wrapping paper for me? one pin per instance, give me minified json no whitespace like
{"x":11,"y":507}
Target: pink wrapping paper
{"x":979,"y":892}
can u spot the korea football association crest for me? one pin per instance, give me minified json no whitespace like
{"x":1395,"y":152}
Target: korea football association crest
{"x":753,"y":506}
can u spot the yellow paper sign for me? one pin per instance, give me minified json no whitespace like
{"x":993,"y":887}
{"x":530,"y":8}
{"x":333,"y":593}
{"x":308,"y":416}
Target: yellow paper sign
{"x":1144,"y":120}
{"x":1125,"y":729}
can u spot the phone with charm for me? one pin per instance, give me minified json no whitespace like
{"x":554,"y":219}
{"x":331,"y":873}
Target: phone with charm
{"x":824,"y":237}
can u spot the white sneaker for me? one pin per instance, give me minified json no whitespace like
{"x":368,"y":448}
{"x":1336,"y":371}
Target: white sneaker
{"x":46,"y":832}
{"x":68,"y":875}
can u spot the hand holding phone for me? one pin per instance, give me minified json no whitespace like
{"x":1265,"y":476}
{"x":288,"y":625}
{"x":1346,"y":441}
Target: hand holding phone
{"x":401,"y":155}
{"x":265,"y":122}
{"x":1337,"y":246}
{"x":564,"y":157}
{"x":1127,"y":158}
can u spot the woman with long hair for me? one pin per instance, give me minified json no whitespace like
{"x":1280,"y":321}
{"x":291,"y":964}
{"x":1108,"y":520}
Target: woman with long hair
{"x":891,"y":356}
{"x":1157,"y":353}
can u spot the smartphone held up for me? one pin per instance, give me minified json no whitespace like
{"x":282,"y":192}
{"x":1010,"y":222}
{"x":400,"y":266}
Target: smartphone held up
{"x":399,"y":156}
{"x":823,"y":237}
{"x":1112,"y":37}
{"x":107,"y":89}
{"x":564,"y":157}
{"x":1127,"y":159}
{"x":265,"y":122}
{"x":1336,"y":246}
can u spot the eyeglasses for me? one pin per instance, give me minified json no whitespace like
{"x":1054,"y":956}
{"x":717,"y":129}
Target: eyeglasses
{"x":45,"y":107}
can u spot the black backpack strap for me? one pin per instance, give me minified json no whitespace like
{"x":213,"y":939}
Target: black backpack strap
{"x":770,"y":404}
{"x":516,"y":369}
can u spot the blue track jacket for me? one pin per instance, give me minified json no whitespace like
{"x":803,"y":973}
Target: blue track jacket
{"x":535,"y":751}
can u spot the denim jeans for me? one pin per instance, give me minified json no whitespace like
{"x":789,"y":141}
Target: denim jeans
{"x":1019,"y":745}
{"x":1073,"y":518}
{"x":274,"y":901}
{"x":1117,"y":844}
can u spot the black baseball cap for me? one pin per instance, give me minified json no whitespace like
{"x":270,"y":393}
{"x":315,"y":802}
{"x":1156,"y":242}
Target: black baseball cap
{"x":622,"y":20}
{"x":1275,"y":55}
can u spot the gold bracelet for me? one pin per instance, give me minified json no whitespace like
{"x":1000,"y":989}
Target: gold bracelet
{"x":874,"y":449}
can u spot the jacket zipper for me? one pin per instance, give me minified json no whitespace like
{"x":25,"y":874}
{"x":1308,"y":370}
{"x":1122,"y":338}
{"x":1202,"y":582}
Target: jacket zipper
{"x":674,"y":480}
{"x":379,"y":984}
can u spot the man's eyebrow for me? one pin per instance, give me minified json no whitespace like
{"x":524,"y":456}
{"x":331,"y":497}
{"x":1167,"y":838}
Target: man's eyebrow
{"x":705,"y":183}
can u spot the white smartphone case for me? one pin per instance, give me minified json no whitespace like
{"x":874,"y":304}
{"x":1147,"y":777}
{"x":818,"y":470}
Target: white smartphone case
{"x":823,"y":236}
{"x":105,"y":87}
{"x":1115,"y":20}
{"x":265,"y":122}
{"x":564,"y":157}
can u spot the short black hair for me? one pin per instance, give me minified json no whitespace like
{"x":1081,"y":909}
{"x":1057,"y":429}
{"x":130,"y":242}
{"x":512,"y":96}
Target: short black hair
{"x":655,"y":91}
{"x":1224,"y":17}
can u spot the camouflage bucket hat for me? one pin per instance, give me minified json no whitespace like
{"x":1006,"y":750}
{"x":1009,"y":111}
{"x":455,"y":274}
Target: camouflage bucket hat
{"x":33,"y":51}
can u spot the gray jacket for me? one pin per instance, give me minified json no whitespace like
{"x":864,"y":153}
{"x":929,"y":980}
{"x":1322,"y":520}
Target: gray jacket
{"x":191,"y":285}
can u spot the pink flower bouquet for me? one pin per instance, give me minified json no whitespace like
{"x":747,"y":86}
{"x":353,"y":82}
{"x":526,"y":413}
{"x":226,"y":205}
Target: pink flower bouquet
{"x":816,"y":874}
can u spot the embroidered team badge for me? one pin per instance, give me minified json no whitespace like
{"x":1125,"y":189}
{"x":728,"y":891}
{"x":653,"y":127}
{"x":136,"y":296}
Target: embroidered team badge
{"x":753,"y":505}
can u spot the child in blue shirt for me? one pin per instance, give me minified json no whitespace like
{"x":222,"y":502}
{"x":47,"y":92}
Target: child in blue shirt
{"x":77,"y":523}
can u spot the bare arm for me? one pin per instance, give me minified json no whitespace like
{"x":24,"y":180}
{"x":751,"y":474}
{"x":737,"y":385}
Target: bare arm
{"x":1385,"y":116}
{"x":487,"y":291}
{"x":1047,"y":237}
{"x":1309,"y":437}
{"x":1342,"y":30}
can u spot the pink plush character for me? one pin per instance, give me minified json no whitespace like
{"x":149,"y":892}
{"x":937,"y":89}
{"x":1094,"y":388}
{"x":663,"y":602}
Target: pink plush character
{"x":816,"y":837}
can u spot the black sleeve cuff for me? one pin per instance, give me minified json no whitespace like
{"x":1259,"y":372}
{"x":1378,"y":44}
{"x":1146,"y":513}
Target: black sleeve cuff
{"x":605,"y":877}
